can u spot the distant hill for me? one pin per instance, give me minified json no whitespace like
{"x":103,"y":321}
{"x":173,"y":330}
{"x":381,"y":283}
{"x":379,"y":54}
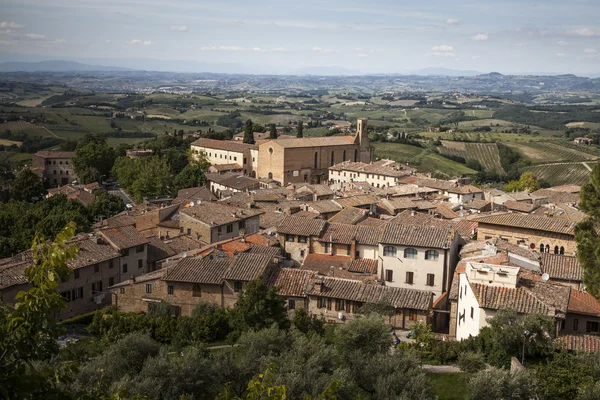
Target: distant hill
{"x":438,"y":71}
{"x":56,"y":66}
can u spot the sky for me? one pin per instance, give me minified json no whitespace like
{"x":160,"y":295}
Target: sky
{"x":283,"y":36}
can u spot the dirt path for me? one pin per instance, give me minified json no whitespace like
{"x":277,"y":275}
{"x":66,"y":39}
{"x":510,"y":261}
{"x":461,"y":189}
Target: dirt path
{"x":50,"y":132}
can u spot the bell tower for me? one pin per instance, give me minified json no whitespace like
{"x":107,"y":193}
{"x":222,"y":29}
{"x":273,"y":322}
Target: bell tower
{"x":362,"y":139}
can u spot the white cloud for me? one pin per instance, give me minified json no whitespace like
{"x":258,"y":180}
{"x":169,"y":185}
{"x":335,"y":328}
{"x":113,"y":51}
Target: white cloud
{"x":178,"y":28}
{"x":12,"y":25}
{"x":362,"y":55}
{"x":475,"y":57}
{"x":5,"y":43}
{"x":562,"y":43}
{"x":481,"y":37}
{"x":441,"y":54}
{"x":359,"y":49}
{"x":136,"y":42}
{"x":279,"y":50}
{"x":239,"y":48}
{"x":443,"y":47}
{"x":589,"y":51}
{"x":35,"y":36}
{"x":452,"y":21}
{"x":323,"y":50}
{"x":585,"y":32}
{"x":561,"y":55}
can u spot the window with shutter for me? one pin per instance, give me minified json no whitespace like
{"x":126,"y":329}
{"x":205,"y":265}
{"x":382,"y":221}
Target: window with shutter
{"x":389,"y":275}
{"x":409,"y":277}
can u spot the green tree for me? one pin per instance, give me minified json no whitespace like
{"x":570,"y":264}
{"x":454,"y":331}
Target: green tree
{"x":106,"y":205}
{"x":259,"y":306}
{"x":497,"y":384}
{"x":527,"y":181}
{"x":248,"y":132}
{"x":93,"y":158}
{"x":27,"y":187}
{"x":191,"y":176}
{"x":586,"y":233}
{"x":299,"y":130}
{"x":26,"y":329}
{"x":272,"y":132}
{"x":308,"y":324}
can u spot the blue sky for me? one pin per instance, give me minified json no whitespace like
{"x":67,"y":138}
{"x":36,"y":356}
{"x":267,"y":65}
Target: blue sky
{"x":363,"y":36}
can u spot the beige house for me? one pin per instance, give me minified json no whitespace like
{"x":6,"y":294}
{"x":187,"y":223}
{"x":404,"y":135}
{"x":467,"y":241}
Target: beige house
{"x":56,"y":166}
{"x":418,"y":257}
{"x":382,"y":173}
{"x":213,"y":222}
{"x":132,"y":247}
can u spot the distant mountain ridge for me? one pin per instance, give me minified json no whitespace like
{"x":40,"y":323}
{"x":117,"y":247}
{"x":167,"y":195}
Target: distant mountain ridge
{"x":56,"y":66}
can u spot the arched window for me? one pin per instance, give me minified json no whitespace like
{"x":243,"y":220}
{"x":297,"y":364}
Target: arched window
{"x":355,"y":155}
{"x":344,"y":158}
{"x":541,"y":247}
{"x":432,"y":255}
{"x":555,"y":249}
{"x":410,"y":253}
{"x":389,"y":251}
{"x":316,"y":159}
{"x":562,"y":250}
{"x":547,"y":248}
{"x":332,"y":158}
{"x":270,"y":175}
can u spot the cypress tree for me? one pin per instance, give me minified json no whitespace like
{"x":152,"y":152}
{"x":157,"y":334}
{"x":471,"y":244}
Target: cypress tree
{"x":273,"y":132}
{"x":248,"y":134}
{"x":299,"y":130}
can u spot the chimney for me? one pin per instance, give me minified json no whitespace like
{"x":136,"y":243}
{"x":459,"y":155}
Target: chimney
{"x":412,"y":213}
{"x":332,"y":271}
{"x":320,"y":285}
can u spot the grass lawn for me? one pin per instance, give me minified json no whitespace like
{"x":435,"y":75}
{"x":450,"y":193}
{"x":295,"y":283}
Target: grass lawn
{"x":449,"y":385}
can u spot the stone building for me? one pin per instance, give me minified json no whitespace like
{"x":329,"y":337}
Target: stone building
{"x":214,"y":278}
{"x":545,"y":234}
{"x":100,"y":263}
{"x":213,"y":222}
{"x":56,"y":166}
{"x":382,"y":173}
{"x":308,"y":159}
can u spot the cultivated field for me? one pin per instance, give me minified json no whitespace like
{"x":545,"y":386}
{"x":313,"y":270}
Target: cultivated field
{"x":563,"y":173}
{"x":564,"y":153}
{"x":486,"y":154}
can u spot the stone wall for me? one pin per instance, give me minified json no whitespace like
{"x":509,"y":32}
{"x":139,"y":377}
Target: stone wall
{"x":522,"y":236}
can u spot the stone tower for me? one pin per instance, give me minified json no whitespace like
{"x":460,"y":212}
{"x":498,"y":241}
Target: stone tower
{"x":362,"y":139}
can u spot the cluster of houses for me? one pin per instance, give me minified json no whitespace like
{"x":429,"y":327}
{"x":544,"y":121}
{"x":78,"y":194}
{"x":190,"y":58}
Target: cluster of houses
{"x":333,"y":233}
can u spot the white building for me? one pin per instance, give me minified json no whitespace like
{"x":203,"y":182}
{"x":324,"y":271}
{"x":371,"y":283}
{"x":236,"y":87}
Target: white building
{"x":418,"y":257}
{"x":383,"y":173}
{"x":484,"y":289}
{"x":227,"y":152}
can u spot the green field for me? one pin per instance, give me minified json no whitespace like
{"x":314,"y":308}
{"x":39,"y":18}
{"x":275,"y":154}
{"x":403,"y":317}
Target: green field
{"x":424,"y":160}
{"x":449,"y":385}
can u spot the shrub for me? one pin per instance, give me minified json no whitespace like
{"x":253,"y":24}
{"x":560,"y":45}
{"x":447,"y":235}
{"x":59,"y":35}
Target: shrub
{"x":471,"y":362}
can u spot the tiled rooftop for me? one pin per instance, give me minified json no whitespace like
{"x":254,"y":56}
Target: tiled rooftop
{"x":215,"y":214}
{"x":301,"y":226}
{"x":518,"y":220}
{"x":230,"y":145}
{"x":561,"y":267}
{"x":419,"y":236}
{"x":123,"y":237}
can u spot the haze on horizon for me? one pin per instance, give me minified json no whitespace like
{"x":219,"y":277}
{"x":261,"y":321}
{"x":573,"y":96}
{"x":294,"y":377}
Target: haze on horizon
{"x":269,"y":36}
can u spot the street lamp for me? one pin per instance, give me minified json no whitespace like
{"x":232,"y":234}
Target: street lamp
{"x":526,"y":334}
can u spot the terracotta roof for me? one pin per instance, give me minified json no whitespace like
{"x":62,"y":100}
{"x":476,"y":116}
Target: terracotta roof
{"x":349,"y":215}
{"x":324,"y":206}
{"x":91,"y":253}
{"x":12,"y":271}
{"x":322,"y":263}
{"x":248,"y":266}
{"x":579,"y":343}
{"x":465,"y":228}
{"x":369,"y":235}
{"x":419,"y":236}
{"x":55,"y":154}
{"x":477,"y":204}
{"x":338,"y":233}
{"x":363,"y":265}
{"x":519,"y":206}
{"x":306,"y":214}
{"x":234,"y":180}
{"x":292,"y":282}
{"x":381,"y":167}
{"x":311,"y":142}
{"x":215,"y":214}
{"x":409,"y":217}
{"x":301,"y":226}
{"x":82,"y":196}
{"x":392,"y":205}
{"x":158,"y":250}
{"x":182,"y":243}
{"x":464,"y":189}
{"x":445,"y":212}
{"x":345,"y":289}
{"x":529,"y":222}
{"x":150,"y":276}
{"x":225,"y":167}
{"x":232,"y":247}
{"x":199,"y":270}
{"x":319,"y":190}
{"x":561,"y":267}
{"x":530,"y":297}
{"x":230,"y":145}
{"x":193,"y":194}
{"x":357,"y":201}
{"x":567,"y":188}
{"x":583,"y":303}
{"x":123,"y":237}
{"x":372,"y":222}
